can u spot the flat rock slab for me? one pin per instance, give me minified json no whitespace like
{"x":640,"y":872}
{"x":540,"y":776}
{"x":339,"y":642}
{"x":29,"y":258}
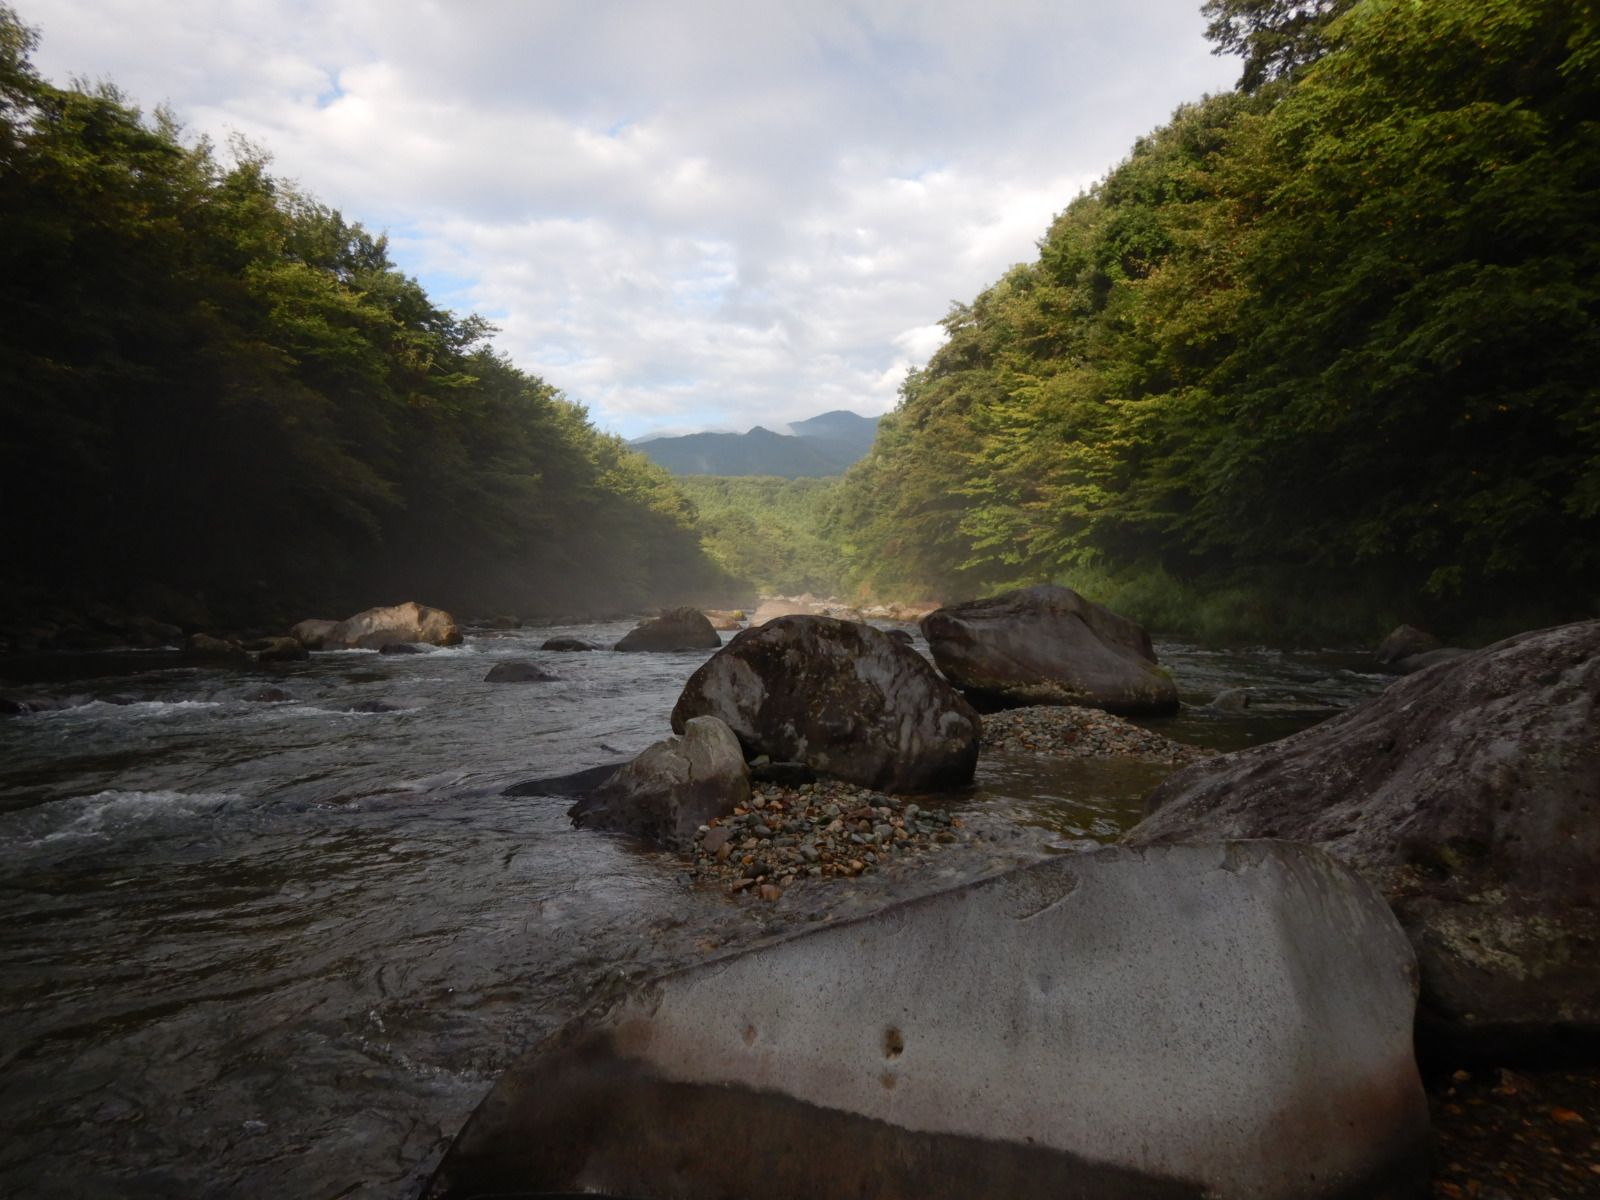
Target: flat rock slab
{"x":1180,"y":1021}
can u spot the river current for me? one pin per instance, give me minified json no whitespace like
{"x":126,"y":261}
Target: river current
{"x":278,"y":949}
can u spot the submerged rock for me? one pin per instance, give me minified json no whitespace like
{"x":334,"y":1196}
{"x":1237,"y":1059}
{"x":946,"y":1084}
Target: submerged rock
{"x":1048,"y":645}
{"x":675,"y":629}
{"x":570,"y":643}
{"x":672,"y":788}
{"x":517,"y":672}
{"x":1176,"y":1022}
{"x":1471,"y":795}
{"x":844,"y":698}
{"x":379,"y":627}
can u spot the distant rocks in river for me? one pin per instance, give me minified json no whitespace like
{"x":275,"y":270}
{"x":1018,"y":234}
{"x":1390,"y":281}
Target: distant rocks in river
{"x":725,"y":620}
{"x":842,"y":697}
{"x":1048,"y":645}
{"x":806,"y":605}
{"x":311,"y":633}
{"x":674,"y":629}
{"x":1408,"y":650}
{"x":517,"y":672}
{"x":672,"y":788}
{"x":1471,"y":795}
{"x":205,"y":646}
{"x":278,"y":649}
{"x":1227,"y":1020}
{"x":570,"y":644}
{"x":379,"y":627}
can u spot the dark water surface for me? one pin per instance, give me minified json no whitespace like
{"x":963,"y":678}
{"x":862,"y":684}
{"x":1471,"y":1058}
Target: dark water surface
{"x":282,"y":949}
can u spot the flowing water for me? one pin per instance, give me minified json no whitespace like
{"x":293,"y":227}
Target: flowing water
{"x":255,"y":948}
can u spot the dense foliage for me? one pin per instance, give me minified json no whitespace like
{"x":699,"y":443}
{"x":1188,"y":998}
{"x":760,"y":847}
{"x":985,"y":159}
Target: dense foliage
{"x":1316,"y":356}
{"x":768,"y":530}
{"x":220,"y":398}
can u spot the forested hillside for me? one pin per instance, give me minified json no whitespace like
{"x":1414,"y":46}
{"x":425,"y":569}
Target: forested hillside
{"x":768,"y":530}
{"x":222,"y":402}
{"x":1320,"y":354}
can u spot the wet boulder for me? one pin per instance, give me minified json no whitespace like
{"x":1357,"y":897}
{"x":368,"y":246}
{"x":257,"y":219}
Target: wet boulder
{"x":1228,"y":1020}
{"x":674,"y":629}
{"x":310,"y":633}
{"x":844,"y":698}
{"x":400,"y":649}
{"x":1048,"y":645}
{"x":378,"y":627}
{"x":672,"y":788}
{"x":569,"y":644}
{"x":205,"y":646}
{"x":517,"y":672}
{"x":1470,"y":794}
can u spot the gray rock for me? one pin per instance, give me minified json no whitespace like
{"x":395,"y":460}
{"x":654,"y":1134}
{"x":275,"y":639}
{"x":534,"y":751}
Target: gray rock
{"x":1220,"y":1020}
{"x":518,"y":672}
{"x":842,"y":697}
{"x":408,"y":622}
{"x":675,"y":629}
{"x":672,"y":788}
{"x":1048,"y":645}
{"x":1471,"y":795}
{"x":203,"y":645}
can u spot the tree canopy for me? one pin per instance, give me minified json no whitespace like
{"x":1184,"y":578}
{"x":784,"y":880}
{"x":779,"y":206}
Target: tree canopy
{"x":1331,"y":344}
{"x":217,"y":390}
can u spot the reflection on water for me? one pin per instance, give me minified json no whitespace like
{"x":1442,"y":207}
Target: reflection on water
{"x":273,"y":949}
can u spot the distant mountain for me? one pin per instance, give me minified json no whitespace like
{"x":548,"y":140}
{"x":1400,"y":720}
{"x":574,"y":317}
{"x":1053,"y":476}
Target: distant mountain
{"x":821,"y":445}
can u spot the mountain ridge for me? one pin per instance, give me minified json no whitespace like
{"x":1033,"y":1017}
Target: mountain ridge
{"x":826,"y":444}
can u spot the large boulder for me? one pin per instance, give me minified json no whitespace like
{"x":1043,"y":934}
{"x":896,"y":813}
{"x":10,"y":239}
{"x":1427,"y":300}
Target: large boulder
{"x":672,"y":788}
{"x":1403,"y":642}
{"x":674,"y":629}
{"x":568,"y":643}
{"x":378,"y":627}
{"x":518,"y":672}
{"x":1470,"y":794}
{"x":844,"y":698}
{"x":1224,"y":1020}
{"x":1048,"y":645}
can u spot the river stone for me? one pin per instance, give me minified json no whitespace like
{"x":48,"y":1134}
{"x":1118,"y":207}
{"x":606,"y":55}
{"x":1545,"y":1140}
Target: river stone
{"x":674,"y":629}
{"x":844,"y":698}
{"x":517,"y":672}
{"x":378,"y":627}
{"x":1182,"y":1021}
{"x":672,"y":788}
{"x":203,"y":645}
{"x":279,"y":649}
{"x":310,"y":633}
{"x":725,"y":619}
{"x":1470,"y":794}
{"x":1048,"y":645}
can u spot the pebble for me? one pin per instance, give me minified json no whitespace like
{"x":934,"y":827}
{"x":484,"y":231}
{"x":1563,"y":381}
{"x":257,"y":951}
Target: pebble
{"x":831,"y":830}
{"x":1064,"y":731}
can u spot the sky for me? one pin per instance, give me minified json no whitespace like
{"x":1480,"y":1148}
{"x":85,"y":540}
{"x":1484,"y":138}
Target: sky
{"x":703,"y":214}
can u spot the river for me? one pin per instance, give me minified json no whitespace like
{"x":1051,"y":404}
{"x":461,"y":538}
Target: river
{"x":283,"y":948}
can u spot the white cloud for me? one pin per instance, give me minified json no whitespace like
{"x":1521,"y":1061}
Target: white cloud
{"x":713,"y":212}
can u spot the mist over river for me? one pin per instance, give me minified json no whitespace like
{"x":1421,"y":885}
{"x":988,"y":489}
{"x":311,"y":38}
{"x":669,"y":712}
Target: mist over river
{"x":283,"y":949}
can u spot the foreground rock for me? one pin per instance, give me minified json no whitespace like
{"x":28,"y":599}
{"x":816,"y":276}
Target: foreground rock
{"x":841,"y":697}
{"x":379,"y":627}
{"x":671,"y":789}
{"x":675,"y":629}
{"x":1183,"y":1021}
{"x":1471,"y":795}
{"x":1048,"y":645}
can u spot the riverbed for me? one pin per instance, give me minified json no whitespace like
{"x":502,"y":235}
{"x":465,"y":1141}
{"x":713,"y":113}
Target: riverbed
{"x":282,"y":948}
